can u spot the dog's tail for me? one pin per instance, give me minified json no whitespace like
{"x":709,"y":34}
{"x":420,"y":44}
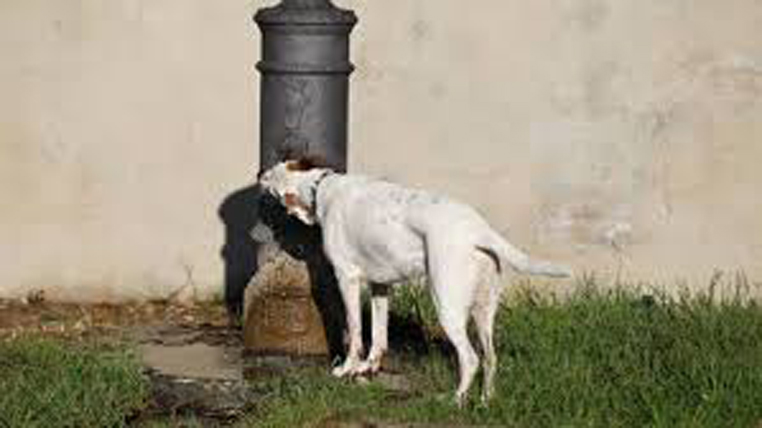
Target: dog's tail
{"x":508,"y":254}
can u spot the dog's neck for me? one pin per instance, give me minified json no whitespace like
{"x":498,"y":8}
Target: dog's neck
{"x":309,"y":192}
{"x":314,"y":187}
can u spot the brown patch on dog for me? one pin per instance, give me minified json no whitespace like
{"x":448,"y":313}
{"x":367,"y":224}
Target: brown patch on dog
{"x":305,"y":163}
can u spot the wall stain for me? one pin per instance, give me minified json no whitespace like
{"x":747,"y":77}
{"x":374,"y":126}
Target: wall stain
{"x":589,"y":15}
{"x":420,"y":31}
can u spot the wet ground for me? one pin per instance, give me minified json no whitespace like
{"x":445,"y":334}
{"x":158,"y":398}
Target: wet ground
{"x":192,"y":355}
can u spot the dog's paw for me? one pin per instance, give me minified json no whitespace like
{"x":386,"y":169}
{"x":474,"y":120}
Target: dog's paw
{"x":348,"y":368}
{"x":368,"y":367}
{"x":486,"y":397}
{"x":339,"y":371}
{"x":461,"y":400}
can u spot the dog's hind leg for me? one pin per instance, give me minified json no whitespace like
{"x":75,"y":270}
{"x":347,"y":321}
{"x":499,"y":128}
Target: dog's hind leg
{"x":485,"y":307}
{"x":454,"y":326}
{"x":453,"y":283}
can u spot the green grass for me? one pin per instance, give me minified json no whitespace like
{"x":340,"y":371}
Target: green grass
{"x":45,"y":383}
{"x":600,"y":359}
{"x":619,"y":360}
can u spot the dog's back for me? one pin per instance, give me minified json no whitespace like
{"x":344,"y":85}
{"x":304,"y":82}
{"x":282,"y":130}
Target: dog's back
{"x":389,"y":223}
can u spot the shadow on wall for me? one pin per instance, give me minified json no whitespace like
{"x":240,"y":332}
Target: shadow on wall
{"x":246,"y":209}
{"x":239,"y":214}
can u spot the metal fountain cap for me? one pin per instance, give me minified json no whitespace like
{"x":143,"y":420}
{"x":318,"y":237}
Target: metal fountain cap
{"x":306,"y":12}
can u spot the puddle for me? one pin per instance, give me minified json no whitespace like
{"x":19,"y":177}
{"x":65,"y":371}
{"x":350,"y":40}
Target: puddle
{"x":195,"y":360}
{"x":204,"y":371}
{"x":196,"y":370}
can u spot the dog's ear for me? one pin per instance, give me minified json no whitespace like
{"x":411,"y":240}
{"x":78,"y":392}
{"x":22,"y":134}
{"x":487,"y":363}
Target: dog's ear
{"x":305,"y":163}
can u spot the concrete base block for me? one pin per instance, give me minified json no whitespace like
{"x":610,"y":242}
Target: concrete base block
{"x":281,"y":315}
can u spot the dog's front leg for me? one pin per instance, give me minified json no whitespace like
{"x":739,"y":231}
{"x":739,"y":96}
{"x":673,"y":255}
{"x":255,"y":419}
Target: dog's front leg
{"x":350,"y":285}
{"x":380,"y":320}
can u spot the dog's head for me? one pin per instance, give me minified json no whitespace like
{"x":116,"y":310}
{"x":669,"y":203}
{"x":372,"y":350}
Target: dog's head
{"x":293,"y":184}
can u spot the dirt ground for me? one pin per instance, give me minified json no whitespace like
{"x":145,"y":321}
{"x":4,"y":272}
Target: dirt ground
{"x":70,"y":320}
{"x":167,"y":336}
{"x":192,"y":354}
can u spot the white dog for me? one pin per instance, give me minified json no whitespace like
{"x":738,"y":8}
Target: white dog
{"x":381,"y":233}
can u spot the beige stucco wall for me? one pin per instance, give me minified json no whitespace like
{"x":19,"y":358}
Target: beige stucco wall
{"x":617,"y":136}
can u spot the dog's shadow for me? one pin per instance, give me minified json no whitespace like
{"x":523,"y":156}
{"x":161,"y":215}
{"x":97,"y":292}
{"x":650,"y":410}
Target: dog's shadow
{"x":239,"y":213}
{"x":248,"y":209}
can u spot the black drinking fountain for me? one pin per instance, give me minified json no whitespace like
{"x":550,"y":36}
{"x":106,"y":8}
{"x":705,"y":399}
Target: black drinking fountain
{"x":292,"y":308}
